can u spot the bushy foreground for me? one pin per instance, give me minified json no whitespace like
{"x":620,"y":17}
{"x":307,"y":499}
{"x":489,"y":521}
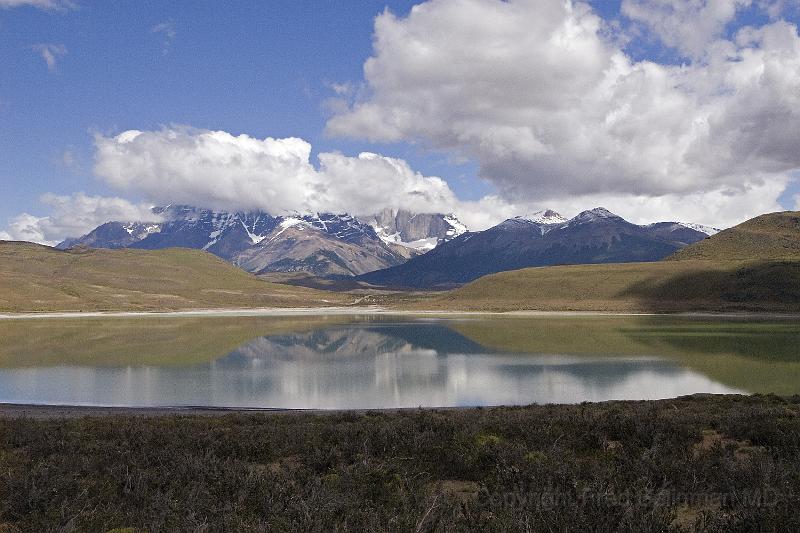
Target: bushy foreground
{"x":698,"y":463}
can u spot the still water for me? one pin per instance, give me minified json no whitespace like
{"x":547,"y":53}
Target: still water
{"x":339,"y":362}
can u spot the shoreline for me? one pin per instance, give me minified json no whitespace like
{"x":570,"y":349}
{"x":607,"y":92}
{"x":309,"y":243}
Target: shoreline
{"x":370,"y":310}
{"x":10,"y":410}
{"x":37,"y":411}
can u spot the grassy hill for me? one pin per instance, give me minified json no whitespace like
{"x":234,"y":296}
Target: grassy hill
{"x":38,"y":278}
{"x":666,"y":286}
{"x":754,"y":266}
{"x":770,"y":236}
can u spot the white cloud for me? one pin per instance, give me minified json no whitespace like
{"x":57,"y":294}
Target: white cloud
{"x":721,"y":208}
{"x":686,"y":25}
{"x":552,"y":110}
{"x":72,"y":216}
{"x":220,"y":170}
{"x":167,"y":30}
{"x":50,"y":53}
{"x":41,"y":4}
{"x":776,"y":8}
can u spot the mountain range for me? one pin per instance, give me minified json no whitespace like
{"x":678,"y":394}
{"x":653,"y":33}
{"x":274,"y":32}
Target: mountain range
{"x":541,"y":239}
{"x":397,"y":248}
{"x":322,"y":244}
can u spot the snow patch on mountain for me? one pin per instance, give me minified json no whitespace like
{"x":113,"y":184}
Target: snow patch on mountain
{"x":457,"y":228}
{"x":421,"y":245}
{"x":547,"y":217}
{"x":287,"y":223}
{"x":421,"y":232}
{"x":593,"y":215}
{"x":140,"y":230}
{"x":708,"y":230}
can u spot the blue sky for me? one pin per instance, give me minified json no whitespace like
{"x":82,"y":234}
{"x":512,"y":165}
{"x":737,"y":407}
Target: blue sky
{"x":250,"y":67}
{"x":258,"y":68}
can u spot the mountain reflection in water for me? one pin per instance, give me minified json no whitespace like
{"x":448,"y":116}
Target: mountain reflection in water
{"x":362,"y":365}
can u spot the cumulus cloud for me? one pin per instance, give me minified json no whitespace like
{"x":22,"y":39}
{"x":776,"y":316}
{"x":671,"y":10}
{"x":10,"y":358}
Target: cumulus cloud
{"x":686,"y":25}
{"x":50,"y":53}
{"x":73,"y":216}
{"x":551,"y":109}
{"x":776,"y":8}
{"x":720,"y":208}
{"x":220,"y":170}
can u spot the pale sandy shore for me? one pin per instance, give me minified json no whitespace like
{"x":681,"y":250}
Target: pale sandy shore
{"x":365,"y":310}
{"x":50,"y":411}
{"x":265,"y":311}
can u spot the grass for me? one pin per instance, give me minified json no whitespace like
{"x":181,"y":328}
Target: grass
{"x":666,"y":286}
{"x":36,"y":278}
{"x":774,"y":236}
{"x":697,"y":463}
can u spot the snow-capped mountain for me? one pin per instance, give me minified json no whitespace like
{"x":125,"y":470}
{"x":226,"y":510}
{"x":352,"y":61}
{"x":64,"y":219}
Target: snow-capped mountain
{"x":708,"y":230}
{"x":419,"y":231}
{"x":592,"y":216}
{"x":218,"y":232}
{"x":544,"y":221}
{"x":322,"y":243}
{"x":114,"y":235}
{"x":540,"y":239}
{"x":379,"y":245}
{"x":547,"y":217}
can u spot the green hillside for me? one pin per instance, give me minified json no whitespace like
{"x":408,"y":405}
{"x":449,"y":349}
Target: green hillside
{"x":38,"y":278}
{"x":770,"y":236}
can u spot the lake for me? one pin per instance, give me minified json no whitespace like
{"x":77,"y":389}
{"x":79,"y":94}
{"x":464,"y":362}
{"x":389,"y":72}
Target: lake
{"x":380,"y":361}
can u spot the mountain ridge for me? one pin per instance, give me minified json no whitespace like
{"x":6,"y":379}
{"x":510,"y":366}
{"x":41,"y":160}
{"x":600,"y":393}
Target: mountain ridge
{"x":325,"y":244}
{"x":544,"y":239}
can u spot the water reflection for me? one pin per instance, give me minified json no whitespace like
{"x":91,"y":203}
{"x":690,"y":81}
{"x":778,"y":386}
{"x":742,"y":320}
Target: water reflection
{"x":358,"y":364}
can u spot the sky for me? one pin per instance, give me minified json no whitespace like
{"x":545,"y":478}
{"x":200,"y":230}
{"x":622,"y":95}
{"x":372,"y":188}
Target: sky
{"x":656,"y":109}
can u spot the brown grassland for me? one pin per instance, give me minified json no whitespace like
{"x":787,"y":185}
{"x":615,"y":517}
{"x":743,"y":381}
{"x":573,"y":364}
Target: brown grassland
{"x":36,"y":278}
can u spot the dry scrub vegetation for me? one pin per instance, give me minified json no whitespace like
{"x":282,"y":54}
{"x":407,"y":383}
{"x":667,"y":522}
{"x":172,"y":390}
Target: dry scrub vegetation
{"x":696,"y":463}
